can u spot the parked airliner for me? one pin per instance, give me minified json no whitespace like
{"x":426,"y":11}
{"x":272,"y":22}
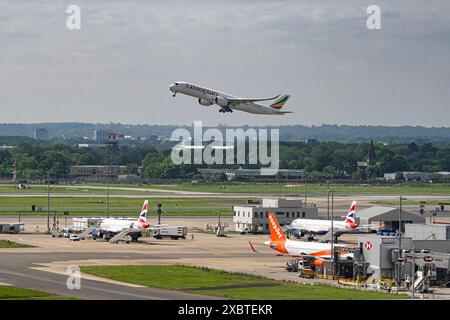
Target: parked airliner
{"x":316,"y":226}
{"x":228,"y":103}
{"x":110,"y":227}
{"x":280,"y":243}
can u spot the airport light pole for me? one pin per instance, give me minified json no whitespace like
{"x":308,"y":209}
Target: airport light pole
{"x":332,"y":232}
{"x":48,"y":203}
{"x":413,"y":276}
{"x":328,"y":199}
{"x":399,"y":239}
{"x":306,"y":188}
{"x":54,"y":214}
{"x":107,"y":190}
{"x":159,"y":213}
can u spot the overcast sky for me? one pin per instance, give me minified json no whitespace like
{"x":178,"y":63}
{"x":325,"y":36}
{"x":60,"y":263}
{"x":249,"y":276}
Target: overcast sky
{"x":119,"y":65}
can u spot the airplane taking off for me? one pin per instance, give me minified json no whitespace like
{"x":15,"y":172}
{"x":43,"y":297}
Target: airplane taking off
{"x":321,"y":227}
{"x":280,"y":243}
{"x":110,"y":227}
{"x":227,"y":102}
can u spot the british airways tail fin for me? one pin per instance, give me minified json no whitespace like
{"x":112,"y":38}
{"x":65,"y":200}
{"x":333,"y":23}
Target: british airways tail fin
{"x":143,"y":214}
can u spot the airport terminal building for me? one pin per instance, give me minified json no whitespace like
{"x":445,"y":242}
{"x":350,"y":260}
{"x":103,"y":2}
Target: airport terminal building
{"x":253,"y":216}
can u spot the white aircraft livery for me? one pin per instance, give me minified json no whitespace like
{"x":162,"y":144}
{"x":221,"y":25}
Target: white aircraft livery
{"x":313,"y":226}
{"x":228,"y":103}
{"x":110,"y":227}
{"x":321,"y":251}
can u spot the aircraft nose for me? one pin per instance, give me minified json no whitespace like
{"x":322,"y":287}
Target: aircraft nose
{"x":171,"y":87}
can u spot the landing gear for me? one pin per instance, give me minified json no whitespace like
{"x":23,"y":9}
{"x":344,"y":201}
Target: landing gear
{"x":227,"y":109}
{"x":174,"y":95}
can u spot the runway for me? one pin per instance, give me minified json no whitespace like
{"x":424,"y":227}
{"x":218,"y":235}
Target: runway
{"x":17,"y":270}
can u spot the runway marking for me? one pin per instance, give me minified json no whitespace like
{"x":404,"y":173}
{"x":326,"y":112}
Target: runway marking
{"x":84,"y":286}
{"x":86,"y":276}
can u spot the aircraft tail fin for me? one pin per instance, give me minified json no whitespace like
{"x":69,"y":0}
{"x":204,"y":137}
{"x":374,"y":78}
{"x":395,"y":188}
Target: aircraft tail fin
{"x":280,"y":102}
{"x":143,"y":214}
{"x":276,"y":234}
{"x":351,"y":215}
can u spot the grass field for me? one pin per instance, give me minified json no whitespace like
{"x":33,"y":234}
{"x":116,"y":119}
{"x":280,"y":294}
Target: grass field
{"x":118,"y":206}
{"x":80,"y":204}
{"x":212,"y":282}
{"x":12,"y":293}
{"x":430,"y":203}
{"x":11,"y":244}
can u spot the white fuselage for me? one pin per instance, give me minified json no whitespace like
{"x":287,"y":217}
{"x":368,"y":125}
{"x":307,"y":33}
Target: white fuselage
{"x":210,"y":95}
{"x":117,"y":225}
{"x":319,"y":226}
{"x":319,"y":250}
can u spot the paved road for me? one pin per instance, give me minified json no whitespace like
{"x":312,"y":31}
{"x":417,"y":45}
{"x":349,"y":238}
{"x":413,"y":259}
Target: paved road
{"x":16,"y":270}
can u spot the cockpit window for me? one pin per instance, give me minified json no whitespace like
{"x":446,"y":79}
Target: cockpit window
{"x":176,"y":83}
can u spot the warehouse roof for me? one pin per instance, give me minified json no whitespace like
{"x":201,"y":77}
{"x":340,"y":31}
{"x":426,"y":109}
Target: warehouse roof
{"x":378,"y":213}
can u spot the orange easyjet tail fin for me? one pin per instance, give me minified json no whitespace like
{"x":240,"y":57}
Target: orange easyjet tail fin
{"x":276,"y":234}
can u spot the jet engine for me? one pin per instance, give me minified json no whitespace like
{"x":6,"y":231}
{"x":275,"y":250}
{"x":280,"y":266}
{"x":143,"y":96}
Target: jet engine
{"x":204,"y":102}
{"x":221,"y":101}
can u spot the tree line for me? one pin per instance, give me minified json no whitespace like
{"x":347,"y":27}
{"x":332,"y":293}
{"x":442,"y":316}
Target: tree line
{"x":318,"y":159}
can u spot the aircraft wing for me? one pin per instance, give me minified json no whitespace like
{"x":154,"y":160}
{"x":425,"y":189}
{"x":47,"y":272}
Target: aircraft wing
{"x":284,"y":112}
{"x":311,"y":230}
{"x":237,"y":101}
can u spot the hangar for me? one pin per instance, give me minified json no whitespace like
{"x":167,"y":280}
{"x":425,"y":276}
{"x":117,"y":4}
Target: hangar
{"x":388,"y":217}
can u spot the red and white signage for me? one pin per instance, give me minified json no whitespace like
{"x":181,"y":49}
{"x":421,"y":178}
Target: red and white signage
{"x":368,"y":245}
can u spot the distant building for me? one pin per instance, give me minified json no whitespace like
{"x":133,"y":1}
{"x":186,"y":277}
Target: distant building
{"x":254,"y":216}
{"x":96,"y":171}
{"x":103,"y":135}
{"x":214,"y":174}
{"x":408,"y":176}
{"x":41,"y":134}
{"x":89,"y":145}
{"x":5,"y":147}
{"x":152,"y":138}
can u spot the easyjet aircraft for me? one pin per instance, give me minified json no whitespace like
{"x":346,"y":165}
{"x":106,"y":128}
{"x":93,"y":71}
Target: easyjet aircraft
{"x":280,"y":243}
{"x":227,"y":102}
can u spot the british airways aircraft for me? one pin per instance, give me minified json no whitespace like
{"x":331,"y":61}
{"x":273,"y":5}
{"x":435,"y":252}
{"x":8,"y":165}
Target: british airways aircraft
{"x":227,"y":102}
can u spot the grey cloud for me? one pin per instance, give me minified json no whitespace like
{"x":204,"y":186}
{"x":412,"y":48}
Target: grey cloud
{"x":118,"y":66}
